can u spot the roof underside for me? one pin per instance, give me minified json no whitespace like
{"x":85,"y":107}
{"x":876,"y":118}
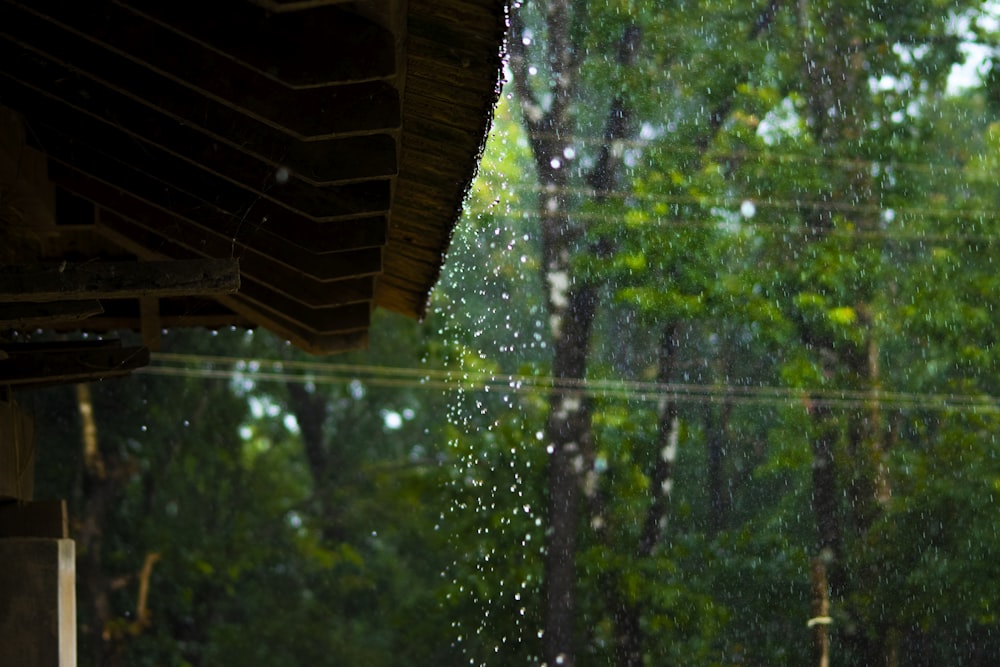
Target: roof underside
{"x":325,"y":145}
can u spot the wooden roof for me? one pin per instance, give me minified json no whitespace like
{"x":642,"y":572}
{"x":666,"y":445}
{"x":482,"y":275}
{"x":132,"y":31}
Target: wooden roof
{"x":323,"y":145}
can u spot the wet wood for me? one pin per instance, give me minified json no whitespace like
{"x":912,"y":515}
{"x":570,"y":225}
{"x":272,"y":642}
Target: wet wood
{"x":287,"y":156}
{"x":38,"y":617}
{"x":37,"y":315}
{"x":118,"y":280}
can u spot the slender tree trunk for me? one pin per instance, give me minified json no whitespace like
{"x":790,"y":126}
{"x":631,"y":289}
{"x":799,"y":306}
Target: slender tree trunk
{"x":820,"y":621}
{"x":825,"y":493}
{"x":97,"y":491}
{"x":717,"y":434}
{"x":325,"y":462}
{"x":627,"y":615}
{"x":667,"y":443}
{"x":833,"y":71}
{"x":101,"y":481}
{"x":571,"y":307}
{"x":568,"y":434}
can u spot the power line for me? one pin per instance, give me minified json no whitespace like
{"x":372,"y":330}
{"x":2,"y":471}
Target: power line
{"x":324,"y":373}
{"x":775,"y":228}
{"x":763,"y":154}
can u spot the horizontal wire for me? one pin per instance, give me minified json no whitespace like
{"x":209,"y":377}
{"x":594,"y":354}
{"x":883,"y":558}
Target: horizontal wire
{"x":746,"y":153}
{"x":631,"y":390}
{"x":778,"y":228}
{"x":764,"y":201}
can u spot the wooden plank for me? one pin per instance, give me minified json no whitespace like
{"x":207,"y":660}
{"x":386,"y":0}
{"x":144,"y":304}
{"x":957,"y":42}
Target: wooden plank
{"x":296,"y":268}
{"x":31,"y":315}
{"x":350,"y":158}
{"x":38,"y":614}
{"x":281,"y":289}
{"x":17,"y":451}
{"x":69,"y":366}
{"x":281,"y":234}
{"x":113,"y":155}
{"x":310,"y":341}
{"x":118,"y":280}
{"x":46,"y":518}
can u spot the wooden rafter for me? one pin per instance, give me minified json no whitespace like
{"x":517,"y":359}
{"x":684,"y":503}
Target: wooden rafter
{"x":118,"y":280}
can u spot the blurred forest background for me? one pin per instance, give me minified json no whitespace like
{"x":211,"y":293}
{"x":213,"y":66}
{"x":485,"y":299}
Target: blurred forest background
{"x":711,"y":378}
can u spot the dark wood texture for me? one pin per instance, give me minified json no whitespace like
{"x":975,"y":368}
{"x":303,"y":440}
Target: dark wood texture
{"x":38,"y":615}
{"x":332,"y":163}
{"x":21,"y":315}
{"x":118,"y":280}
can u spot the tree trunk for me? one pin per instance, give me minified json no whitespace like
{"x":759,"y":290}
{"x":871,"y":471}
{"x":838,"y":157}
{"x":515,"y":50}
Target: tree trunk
{"x":825,"y":504}
{"x":666,"y":450}
{"x":627,"y":615}
{"x":571,"y":307}
{"x":820,"y":621}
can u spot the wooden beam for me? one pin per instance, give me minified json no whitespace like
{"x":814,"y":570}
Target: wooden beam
{"x":37,"y":365}
{"x":30,"y":315}
{"x":118,"y":280}
{"x":47,"y":518}
{"x":118,"y":158}
{"x":265,"y":257}
{"x":281,"y":236}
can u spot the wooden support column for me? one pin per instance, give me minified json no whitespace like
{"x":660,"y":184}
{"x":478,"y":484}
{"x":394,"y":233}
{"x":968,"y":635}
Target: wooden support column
{"x":38,"y":613}
{"x":37,"y":561}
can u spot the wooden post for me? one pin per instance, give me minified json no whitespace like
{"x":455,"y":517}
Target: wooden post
{"x":37,"y":561}
{"x":38,"y":614}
